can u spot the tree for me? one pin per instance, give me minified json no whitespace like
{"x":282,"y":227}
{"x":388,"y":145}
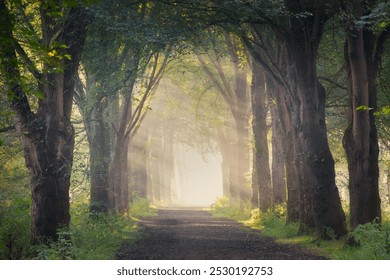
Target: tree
{"x":299,"y":27}
{"x":47,"y":135}
{"x":363,"y":53}
{"x":235,"y":93}
{"x":261,"y":154}
{"x":122,"y":67}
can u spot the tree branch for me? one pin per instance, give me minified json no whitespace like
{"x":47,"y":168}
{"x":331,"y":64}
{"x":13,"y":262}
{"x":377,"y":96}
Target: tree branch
{"x":30,"y":65}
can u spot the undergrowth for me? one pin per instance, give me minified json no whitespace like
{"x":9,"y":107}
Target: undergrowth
{"x":231,"y":208}
{"x":89,"y":236}
{"x":372,"y":241}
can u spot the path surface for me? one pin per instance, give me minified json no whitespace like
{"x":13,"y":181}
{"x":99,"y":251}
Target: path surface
{"x":182,"y":234}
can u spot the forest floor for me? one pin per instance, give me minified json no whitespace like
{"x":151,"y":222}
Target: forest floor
{"x":193,"y":234}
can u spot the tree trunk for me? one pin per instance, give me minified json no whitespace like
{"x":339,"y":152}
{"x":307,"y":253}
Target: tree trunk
{"x":298,"y":198}
{"x":278,"y":152}
{"x":118,"y":178}
{"x":259,"y":125}
{"x":318,"y":166}
{"x":360,"y":138}
{"x":47,"y":136}
{"x":241,"y":156}
{"x":138,"y":158}
{"x":224,"y":149}
{"x":155,"y":167}
{"x":99,"y":147}
{"x":293,"y":197}
{"x":168,"y":165}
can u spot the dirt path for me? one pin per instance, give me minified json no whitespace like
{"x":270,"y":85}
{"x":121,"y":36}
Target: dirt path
{"x":180,"y":234}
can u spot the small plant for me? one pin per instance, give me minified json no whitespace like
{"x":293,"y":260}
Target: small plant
{"x":231,"y":208}
{"x":140,"y":207}
{"x":58,"y":250}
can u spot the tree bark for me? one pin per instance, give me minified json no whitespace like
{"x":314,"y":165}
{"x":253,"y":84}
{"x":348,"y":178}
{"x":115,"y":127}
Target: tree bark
{"x":222,"y":140}
{"x":278,"y":152}
{"x":99,"y":147}
{"x":259,"y":126}
{"x":317,"y":166}
{"x":360,"y":138}
{"x":139,"y":160}
{"x":47,"y":136}
{"x":284,"y":111}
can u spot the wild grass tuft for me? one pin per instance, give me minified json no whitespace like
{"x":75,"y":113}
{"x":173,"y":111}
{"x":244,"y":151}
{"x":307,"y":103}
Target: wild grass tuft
{"x":231,"y":208}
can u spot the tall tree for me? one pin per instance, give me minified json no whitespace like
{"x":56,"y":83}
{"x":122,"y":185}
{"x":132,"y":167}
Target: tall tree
{"x":298,"y":27}
{"x":235,"y":93}
{"x":117,"y":90}
{"x":47,"y":134}
{"x":261,"y":154}
{"x":363,"y":53}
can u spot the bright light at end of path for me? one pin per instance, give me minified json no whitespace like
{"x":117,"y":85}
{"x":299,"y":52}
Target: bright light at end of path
{"x":198,"y":179}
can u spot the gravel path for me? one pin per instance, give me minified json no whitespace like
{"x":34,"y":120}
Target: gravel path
{"x":191,"y":234}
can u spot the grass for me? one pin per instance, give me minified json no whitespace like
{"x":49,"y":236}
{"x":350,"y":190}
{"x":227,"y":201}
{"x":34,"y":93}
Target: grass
{"x":89,"y":236}
{"x":373,"y":240}
{"x":96,"y":236}
{"x":231,"y":208}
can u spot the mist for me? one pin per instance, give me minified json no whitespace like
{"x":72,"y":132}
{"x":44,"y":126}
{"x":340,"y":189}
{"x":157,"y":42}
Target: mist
{"x":175,"y":159}
{"x":197,"y":178}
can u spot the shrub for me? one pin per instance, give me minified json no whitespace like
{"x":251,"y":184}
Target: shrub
{"x":373,"y":240}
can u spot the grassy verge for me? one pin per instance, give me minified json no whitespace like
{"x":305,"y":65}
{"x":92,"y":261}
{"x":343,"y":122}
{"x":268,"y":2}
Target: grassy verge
{"x":373,"y":240}
{"x":89,"y":236}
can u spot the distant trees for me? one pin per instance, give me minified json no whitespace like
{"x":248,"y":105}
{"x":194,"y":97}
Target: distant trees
{"x":232,"y":85}
{"x":120,"y":73}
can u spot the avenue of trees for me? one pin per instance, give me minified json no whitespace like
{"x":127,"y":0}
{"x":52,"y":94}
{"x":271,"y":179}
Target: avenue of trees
{"x":285,"y":92}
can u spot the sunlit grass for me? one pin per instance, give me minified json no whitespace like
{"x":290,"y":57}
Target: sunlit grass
{"x":373,"y":240}
{"x":231,"y":208}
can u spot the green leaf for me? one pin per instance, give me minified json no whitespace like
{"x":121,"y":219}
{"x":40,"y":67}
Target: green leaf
{"x":39,"y":95}
{"x":362,"y":108}
{"x":68,"y":56}
{"x":384,"y":24}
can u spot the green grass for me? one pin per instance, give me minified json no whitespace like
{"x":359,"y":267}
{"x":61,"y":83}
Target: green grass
{"x":96,"y":236}
{"x":89,"y":236}
{"x":231,"y":208}
{"x":373,"y":241}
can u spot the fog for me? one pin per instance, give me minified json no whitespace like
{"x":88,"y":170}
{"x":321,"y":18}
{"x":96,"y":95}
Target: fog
{"x":197,"y":178}
{"x":174,"y":157}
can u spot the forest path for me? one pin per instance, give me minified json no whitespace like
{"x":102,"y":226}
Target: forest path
{"x":186,"y":234}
